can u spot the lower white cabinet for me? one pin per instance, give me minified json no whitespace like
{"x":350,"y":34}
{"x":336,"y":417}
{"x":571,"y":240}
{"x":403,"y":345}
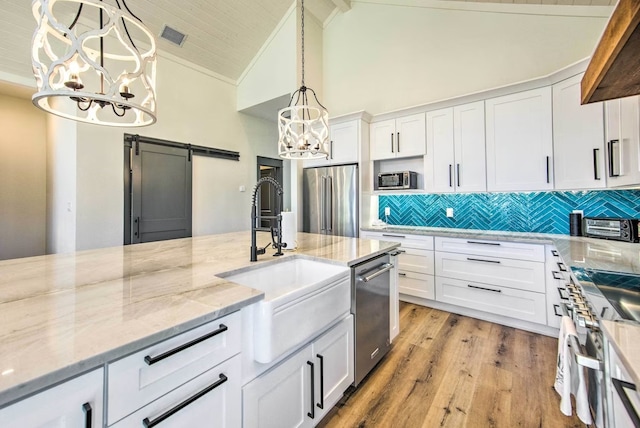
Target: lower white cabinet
{"x":498,"y":300}
{"x":416,"y":284}
{"x":623,"y":399}
{"x":213,"y":399}
{"x":304,"y":387}
{"x":72,"y":404}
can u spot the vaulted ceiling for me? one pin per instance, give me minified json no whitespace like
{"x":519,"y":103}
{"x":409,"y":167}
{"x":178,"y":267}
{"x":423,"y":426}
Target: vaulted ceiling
{"x":222,"y":35}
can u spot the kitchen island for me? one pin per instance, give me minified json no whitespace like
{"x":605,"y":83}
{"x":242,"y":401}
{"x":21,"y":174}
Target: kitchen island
{"x":65,"y":314}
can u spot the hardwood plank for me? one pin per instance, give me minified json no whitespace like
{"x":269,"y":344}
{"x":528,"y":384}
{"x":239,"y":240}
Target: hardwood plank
{"x":446,"y":370}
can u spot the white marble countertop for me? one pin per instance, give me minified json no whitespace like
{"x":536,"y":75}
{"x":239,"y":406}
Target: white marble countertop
{"x":61,"y":315}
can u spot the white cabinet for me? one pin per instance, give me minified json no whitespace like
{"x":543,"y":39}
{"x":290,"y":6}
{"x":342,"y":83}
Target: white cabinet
{"x":343,"y":147}
{"x":623,"y":399}
{"x":578,"y":139}
{"x":303,"y":388}
{"x":140,"y":378}
{"x":212,"y":399}
{"x":519,"y":141}
{"x":623,"y":140}
{"x":74,"y":403}
{"x":400,"y":137}
{"x":456,"y":146}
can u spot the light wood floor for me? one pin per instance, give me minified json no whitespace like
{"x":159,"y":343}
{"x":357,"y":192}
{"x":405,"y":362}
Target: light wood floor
{"x":447,"y":370}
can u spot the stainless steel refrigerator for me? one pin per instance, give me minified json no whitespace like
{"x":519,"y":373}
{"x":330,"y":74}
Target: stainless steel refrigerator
{"x":330,"y":200}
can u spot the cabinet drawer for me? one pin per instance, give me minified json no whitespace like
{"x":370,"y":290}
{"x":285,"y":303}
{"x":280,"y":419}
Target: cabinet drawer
{"x":133,"y":382}
{"x":481,"y":247}
{"x":519,"y":274}
{"x":213,"y":399}
{"x":407,"y":240}
{"x":522,"y":305}
{"x":416,"y":284}
{"x":419,"y":261}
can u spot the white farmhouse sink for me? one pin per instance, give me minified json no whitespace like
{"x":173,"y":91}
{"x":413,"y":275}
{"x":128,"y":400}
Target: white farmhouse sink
{"x":302,"y":297}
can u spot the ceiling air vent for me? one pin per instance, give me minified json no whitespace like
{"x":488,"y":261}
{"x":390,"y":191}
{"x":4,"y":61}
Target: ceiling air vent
{"x":173,"y":36}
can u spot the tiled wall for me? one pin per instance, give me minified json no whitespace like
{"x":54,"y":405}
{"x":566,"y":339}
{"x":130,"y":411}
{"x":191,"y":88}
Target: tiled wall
{"x":544,"y":212}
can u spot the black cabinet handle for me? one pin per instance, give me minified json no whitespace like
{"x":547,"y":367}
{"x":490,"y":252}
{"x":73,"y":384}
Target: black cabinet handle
{"x":137,"y":222}
{"x":548,"y":170}
{"x":458,"y":174}
{"x":596,"y":176}
{"x":555,"y":253}
{"x":619,"y":385}
{"x":483,"y":288}
{"x":562,"y":293}
{"x":483,"y":243}
{"x":562,"y":267}
{"x":553,"y":273}
{"x":88,"y":415}
{"x":151,"y":423}
{"x":393,"y":236}
{"x":321,"y":403}
{"x":331,"y":149}
{"x":392,"y":143}
{"x":152,"y":360}
{"x":312,"y":413}
{"x":450,"y":176}
{"x":613,"y":172}
{"x":398,"y":142}
{"x":556,"y":308}
{"x":402,"y":274}
{"x":481,"y":260}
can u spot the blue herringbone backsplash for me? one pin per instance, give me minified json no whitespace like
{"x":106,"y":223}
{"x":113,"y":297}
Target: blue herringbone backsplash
{"x":543,"y":212}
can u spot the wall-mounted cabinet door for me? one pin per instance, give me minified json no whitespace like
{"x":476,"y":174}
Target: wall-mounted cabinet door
{"x":441,"y":151}
{"x":578,"y":138}
{"x":469,"y":143}
{"x":396,"y":138}
{"x":343,"y":145}
{"x":519,"y":141}
{"x":623,"y":141}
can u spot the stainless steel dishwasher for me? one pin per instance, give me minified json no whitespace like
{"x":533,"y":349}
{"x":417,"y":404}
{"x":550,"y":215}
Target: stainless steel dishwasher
{"x":370,"y":307}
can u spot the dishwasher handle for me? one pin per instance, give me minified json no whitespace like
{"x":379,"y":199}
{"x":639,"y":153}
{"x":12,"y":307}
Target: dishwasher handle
{"x":385,"y":267}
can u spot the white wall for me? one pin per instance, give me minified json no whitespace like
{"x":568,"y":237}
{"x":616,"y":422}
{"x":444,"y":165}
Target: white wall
{"x":193,"y":107}
{"x":23,"y":154}
{"x":384,"y":57}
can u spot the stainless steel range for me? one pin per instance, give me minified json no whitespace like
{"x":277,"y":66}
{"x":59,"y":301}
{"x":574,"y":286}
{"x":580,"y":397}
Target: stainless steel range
{"x":598,"y":295}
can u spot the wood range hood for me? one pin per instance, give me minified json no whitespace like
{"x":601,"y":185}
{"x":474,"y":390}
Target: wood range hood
{"x":614,"y":70}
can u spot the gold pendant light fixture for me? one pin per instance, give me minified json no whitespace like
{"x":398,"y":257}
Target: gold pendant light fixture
{"x":92,"y":70}
{"x":303,"y":129}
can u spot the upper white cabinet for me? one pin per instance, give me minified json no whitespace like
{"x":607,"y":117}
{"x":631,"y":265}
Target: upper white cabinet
{"x":343,"y":147}
{"x":400,"y":137}
{"x":578,"y":138}
{"x":623,"y":151}
{"x":519,"y":141}
{"x":456,"y":146}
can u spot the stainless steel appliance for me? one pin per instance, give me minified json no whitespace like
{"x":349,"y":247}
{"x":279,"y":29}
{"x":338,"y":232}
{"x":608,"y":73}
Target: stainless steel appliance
{"x":330,"y":200}
{"x":619,"y":229}
{"x":370,"y":308}
{"x":397,"y":180}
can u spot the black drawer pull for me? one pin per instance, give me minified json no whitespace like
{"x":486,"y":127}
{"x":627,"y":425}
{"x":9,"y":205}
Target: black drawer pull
{"x":321,"y":403}
{"x":393,"y":236}
{"x":152,"y":360}
{"x":562,"y":292}
{"x":402,"y":274}
{"x":88,"y":415}
{"x":620,"y":385}
{"x":151,"y":423}
{"x":483,"y":288}
{"x":481,"y":260}
{"x":553,"y":273}
{"x":312,"y":413}
{"x":562,"y":267}
{"x":556,"y":308}
{"x":483,"y":243}
{"x":555,"y":253}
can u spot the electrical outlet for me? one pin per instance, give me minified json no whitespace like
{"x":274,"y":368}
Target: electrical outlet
{"x":387,"y":210}
{"x":449,"y":212}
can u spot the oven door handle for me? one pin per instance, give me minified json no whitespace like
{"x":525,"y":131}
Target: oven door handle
{"x":576,"y":349}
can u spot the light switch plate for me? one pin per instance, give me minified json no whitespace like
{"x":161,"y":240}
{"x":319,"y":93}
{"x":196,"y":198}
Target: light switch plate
{"x":449,"y":212}
{"x":387,"y":210}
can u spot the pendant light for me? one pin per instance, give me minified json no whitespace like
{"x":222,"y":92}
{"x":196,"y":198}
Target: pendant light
{"x":92,"y":71}
{"x":303,"y":129}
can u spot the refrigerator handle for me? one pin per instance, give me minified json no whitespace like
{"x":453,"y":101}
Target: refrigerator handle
{"x":329,"y":204}
{"x":323,"y":197}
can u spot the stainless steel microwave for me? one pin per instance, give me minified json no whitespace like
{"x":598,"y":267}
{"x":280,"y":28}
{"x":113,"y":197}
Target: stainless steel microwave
{"x":397,"y":180}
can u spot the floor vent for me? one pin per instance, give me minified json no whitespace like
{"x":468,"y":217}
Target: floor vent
{"x":172,"y":35}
